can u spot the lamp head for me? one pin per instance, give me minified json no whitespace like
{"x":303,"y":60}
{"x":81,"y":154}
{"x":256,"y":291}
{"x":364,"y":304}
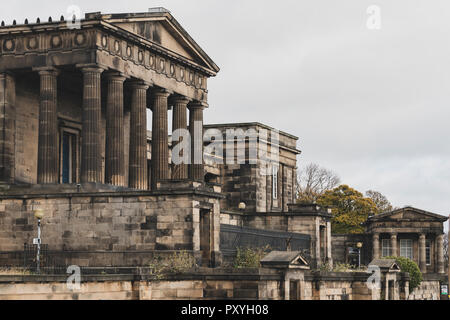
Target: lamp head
{"x":242,"y":206}
{"x":39,"y":214}
{"x":359,"y":245}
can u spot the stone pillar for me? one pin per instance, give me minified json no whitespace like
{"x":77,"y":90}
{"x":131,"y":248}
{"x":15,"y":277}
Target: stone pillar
{"x":7,"y":127}
{"x":91,"y":161}
{"x":179,"y":121}
{"x":138,"y":176}
{"x":394,"y":251}
{"x":196,"y":171}
{"x":440,"y":253}
{"x":160,"y":142}
{"x":329,"y":251}
{"x":422,"y":253}
{"x":48,"y":128}
{"x":376,"y":246}
{"x":114,"y":155}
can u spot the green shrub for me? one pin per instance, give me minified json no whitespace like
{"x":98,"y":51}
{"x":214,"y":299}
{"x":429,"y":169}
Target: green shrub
{"x":177,"y":262}
{"x":250,"y":257}
{"x":407,"y":265}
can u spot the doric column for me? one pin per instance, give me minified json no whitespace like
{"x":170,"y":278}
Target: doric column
{"x":440,"y":253}
{"x":196,"y":171}
{"x":376,"y":245}
{"x":7,"y":127}
{"x":422,"y":253}
{"x":48,"y":128}
{"x":179,"y":121}
{"x":114,"y":155}
{"x":138,"y":176}
{"x":91,"y":162}
{"x":160,"y":143}
{"x":394,"y":251}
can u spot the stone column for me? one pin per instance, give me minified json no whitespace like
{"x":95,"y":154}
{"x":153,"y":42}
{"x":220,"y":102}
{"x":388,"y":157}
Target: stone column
{"x":7,"y":127}
{"x":394,"y":251}
{"x":196,"y":171}
{"x":138,"y":176}
{"x":160,"y":142}
{"x":376,"y":246}
{"x":48,"y":128}
{"x":115,"y":158}
{"x":91,"y":162}
{"x":422,"y":253}
{"x":329,"y":251}
{"x":179,"y":121}
{"x":440,"y":253}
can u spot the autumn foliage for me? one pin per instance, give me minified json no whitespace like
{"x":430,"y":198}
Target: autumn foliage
{"x":349,"y":207}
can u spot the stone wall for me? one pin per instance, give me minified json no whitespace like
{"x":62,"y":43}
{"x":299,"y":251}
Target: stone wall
{"x":429,"y":288}
{"x":295,"y":222}
{"x":203,"y":285}
{"x":252,"y":183}
{"x":100,"y":228}
{"x":209,"y":284}
{"x":339,"y":286}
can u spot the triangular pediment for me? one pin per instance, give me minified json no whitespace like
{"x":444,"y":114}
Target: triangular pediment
{"x":410,"y":214}
{"x":161,"y":28}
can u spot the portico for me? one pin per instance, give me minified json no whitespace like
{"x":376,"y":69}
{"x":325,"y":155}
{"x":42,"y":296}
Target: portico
{"x":115,"y":71}
{"x":412,"y":233}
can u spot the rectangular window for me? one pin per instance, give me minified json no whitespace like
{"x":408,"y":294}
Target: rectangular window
{"x":69,"y":154}
{"x":428,"y":252}
{"x":406,"y":248}
{"x":385,"y":247}
{"x":275,"y":182}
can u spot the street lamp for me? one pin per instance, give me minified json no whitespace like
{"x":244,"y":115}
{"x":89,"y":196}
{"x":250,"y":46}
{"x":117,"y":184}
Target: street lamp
{"x":359,"y":246}
{"x":38,"y":214}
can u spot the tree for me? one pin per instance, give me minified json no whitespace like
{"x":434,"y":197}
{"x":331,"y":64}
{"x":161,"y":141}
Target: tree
{"x":314,"y":181}
{"x":407,"y":265}
{"x":349,"y":208}
{"x":382,"y":203}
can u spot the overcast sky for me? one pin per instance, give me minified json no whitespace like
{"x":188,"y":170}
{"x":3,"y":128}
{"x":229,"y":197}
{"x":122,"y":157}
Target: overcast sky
{"x":371,"y":105}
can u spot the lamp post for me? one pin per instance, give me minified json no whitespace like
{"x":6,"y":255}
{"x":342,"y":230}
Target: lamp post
{"x":38,"y":214}
{"x":359,"y":246}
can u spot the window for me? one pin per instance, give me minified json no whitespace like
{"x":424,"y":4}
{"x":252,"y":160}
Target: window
{"x":385,"y":247}
{"x":428,"y":252}
{"x":275,"y":182}
{"x":69,"y":162}
{"x":406,"y":248}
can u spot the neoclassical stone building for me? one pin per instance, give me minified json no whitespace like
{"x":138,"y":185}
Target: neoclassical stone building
{"x":74,"y":101}
{"x":73,"y":121}
{"x":407,"y":232}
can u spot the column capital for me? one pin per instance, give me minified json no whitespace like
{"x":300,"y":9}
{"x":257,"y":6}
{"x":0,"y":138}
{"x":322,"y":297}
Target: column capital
{"x":375,"y":235}
{"x":422,"y":236}
{"x":394,"y":235}
{"x":115,"y":75}
{"x":161,"y":92}
{"x":46,"y":70}
{"x":139,"y":84}
{"x":179,"y":99}
{"x":91,"y":67}
{"x":197,"y":105}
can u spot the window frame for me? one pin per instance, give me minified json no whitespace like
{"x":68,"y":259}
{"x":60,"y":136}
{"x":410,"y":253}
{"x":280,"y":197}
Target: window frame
{"x":386,"y":248}
{"x":405,"y":250}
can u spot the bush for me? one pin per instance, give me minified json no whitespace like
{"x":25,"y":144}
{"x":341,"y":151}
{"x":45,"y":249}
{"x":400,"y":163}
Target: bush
{"x":250,"y":257}
{"x":177,"y":262}
{"x":407,"y":265}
